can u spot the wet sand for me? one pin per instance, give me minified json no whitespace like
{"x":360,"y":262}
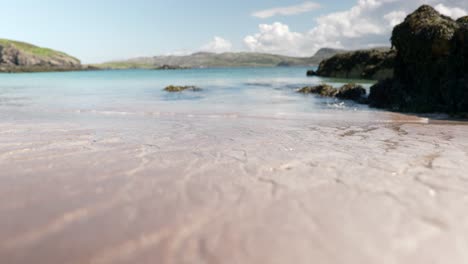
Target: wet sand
{"x":234,"y":190}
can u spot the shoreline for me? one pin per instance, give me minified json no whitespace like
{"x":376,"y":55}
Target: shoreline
{"x":44,"y":69}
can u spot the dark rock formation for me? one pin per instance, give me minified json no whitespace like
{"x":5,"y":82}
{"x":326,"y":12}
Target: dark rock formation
{"x":458,"y":83}
{"x":431,"y":65}
{"x":351,"y":92}
{"x":174,"y":88}
{"x":374,"y":64}
{"x":322,"y":90}
{"x":311,"y":73}
{"x":326,"y":53}
{"x":463,"y":20}
{"x":386,"y":94}
{"x":347,"y":92}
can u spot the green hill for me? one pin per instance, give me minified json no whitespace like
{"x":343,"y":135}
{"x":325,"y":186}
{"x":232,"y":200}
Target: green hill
{"x":215,"y":60}
{"x":16,"y":56}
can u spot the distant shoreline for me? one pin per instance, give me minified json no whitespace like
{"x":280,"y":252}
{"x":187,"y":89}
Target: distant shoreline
{"x":94,"y":68}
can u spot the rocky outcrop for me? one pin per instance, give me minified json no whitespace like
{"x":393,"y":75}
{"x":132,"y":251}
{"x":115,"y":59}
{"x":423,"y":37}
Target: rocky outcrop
{"x":326,"y":53}
{"x":374,"y":64}
{"x":463,"y":20}
{"x":351,"y":92}
{"x":322,"y":90}
{"x":176,"y":89}
{"x":458,"y":82}
{"x":22,"y":57}
{"x":311,"y":73}
{"x":431,"y":65}
{"x":347,"y":92}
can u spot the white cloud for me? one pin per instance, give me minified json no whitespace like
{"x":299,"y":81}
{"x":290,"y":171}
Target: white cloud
{"x":366,"y":23}
{"x":275,"y":38}
{"x":353,"y":23}
{"x":287,"y":10}
{"x":453,"y":12}
{"x":329,"y":32}
{"x":395,"y":17}
{"x":217,"y":45}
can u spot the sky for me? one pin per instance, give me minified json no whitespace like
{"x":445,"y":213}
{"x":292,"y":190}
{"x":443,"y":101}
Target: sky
{"x":97,"y":31}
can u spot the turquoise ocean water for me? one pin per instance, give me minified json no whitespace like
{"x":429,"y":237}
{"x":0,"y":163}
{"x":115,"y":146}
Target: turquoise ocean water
{"x":269,"y":92}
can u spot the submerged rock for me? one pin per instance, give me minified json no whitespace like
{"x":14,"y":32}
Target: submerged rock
{"x":346,"y":92}
{"x":311,"y":73}
{"x":374,"y":64}
{"x":174,"y":88}
{"x":351,"y":92}
{"x":323,"y":90}
{"x":431,"y":72}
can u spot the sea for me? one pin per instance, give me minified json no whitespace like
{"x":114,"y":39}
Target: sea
{"x":231,"y":92}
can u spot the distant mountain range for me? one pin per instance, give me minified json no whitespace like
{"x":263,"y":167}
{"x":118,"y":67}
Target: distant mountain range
{"x":18,"y":56}
{"x":215,"y":60}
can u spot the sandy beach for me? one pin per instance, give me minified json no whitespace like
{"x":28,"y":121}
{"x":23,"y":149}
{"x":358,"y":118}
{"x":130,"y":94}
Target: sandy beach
{"x":234,"y":132}
{"x":234,"y":189}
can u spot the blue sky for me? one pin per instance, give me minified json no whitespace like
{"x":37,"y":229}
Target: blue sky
{"x":96,"y":31}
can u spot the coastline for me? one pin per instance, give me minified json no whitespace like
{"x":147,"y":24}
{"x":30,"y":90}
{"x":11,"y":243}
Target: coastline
{"x":43,"y":69}
{"x":234,"y":133}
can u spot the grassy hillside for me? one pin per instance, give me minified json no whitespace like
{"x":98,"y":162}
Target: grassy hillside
{"x":35,"y":50}
{"x":214,"y":60}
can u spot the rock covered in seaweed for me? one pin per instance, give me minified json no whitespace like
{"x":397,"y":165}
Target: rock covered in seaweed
{"x":463,"y":20}
{"x":175,"y":88}
{"x":387,"y":94}
{"x":458,"y":83}
{"x":431,"y":71}
{"x":322,"y":90}
{"x":351,"y":92}
{"x":374,"y":64}
{"x":311,"y":73}
{"x":346,"y":92}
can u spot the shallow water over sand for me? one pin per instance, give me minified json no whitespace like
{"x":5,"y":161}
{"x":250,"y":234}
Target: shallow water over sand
{"x":184,"y":182}
{"x":263,"y":91}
